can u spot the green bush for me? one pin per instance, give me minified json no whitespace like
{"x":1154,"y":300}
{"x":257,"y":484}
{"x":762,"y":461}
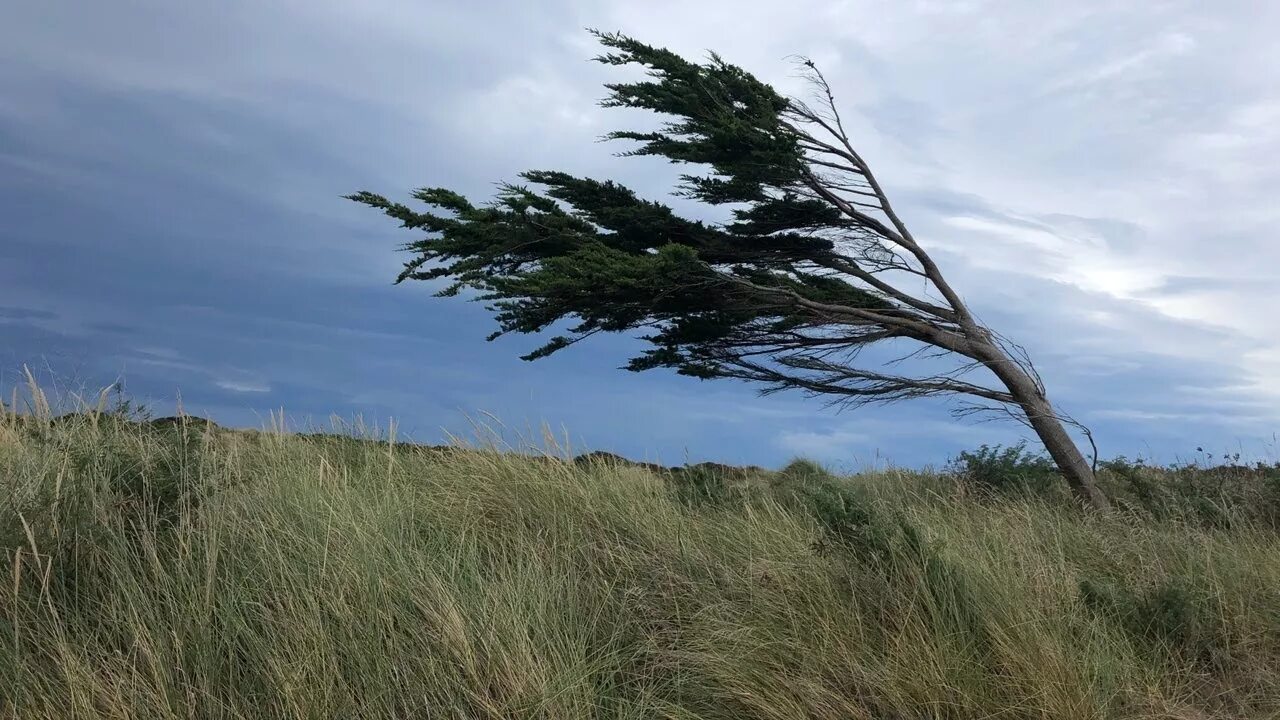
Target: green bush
{"x":801,"y":471}
{"x":697,"y":486}
{"x":1008,"y":470}
{"x":1221,"y":496}
{"x":1168,"y":615}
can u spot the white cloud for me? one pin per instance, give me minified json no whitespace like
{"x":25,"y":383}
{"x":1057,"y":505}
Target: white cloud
{"x":1084,"y":262}
{"x":1169,"y":45}
{"x":244,"y":386}
{"x":233,"y":379}
{"x":858,"y":442}
{"x":836,"y":444}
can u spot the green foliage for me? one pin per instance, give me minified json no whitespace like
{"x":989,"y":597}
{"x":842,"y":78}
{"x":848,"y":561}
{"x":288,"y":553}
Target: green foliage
{"x":1204,"y":495}
{"x":151,"y":470}
{"x":849,"y":521}
{"x":696,"y":486}
{"x":1013,"y":469}
{"x":123,"y":406}
{"x":1168,"y":615}
{"x":727,"y":119}
{"x":713,"y":484}
{"x":594,"y":257}
{"x":801,"y":471}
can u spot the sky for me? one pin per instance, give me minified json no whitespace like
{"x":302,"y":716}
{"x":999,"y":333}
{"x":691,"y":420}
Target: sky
{"x":1096,"y":178}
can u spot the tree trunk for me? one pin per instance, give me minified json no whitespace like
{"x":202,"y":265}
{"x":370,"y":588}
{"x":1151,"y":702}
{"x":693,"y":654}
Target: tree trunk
{"x":1075,"y":468}
{"x":1040,"y":414}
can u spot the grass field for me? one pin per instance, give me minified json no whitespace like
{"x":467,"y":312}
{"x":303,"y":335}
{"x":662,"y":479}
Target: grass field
{"x":183,"y":571}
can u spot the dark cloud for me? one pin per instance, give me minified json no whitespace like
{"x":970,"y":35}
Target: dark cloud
{"x":172,"y":173}
{"x":112,"y":328}
{"x":21,"y":313}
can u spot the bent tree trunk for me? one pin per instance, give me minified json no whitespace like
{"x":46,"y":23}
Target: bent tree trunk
{"x":1049,"y":428}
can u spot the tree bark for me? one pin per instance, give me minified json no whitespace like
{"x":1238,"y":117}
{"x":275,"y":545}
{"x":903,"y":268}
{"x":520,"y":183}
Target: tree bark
{"x":1045,"y":422}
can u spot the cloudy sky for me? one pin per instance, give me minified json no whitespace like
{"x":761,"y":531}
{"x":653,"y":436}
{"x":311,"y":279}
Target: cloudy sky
{"x":1098,"y":179}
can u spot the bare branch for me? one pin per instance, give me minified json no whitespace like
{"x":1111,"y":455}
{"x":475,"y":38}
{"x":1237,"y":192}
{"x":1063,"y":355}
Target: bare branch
{"x":854,"y":386}
{"x":889,"y":290}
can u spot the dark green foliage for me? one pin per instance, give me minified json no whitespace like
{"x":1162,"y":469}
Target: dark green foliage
{"x":1209,"y":496}
{"x":698,"y":486}
{"x":1141,"y":488}
{"x":882,"y":547}
{"x":1013,"y":469}
{"x":595,"y":255}
{"x":150,"y":471}
{"x":1168,"y":615}
{"x":802,"y":472}
{"x":847,"y":515}
{"x":126,"y":407}
{"x":728,"y":120}
{"x":601,"y":457}
{"x":712,"y":483}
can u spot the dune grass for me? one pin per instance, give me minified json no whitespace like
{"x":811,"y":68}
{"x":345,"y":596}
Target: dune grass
{"x":188,"y":572}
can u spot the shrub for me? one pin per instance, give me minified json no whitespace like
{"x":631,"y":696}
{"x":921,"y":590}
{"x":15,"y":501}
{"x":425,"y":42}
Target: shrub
{"x":999,"y":469}
{"x":849,"y":517}
{"x":1167,"y":615}
{"x":802,"y":471}
{"x":1218,"y":497}
{"x":706,"y":484}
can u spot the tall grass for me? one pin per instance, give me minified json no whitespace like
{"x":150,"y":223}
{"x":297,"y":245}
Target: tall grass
{"x":185,"y":572}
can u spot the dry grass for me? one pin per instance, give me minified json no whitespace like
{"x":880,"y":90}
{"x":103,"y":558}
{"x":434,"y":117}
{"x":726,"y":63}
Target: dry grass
{"x":193,"y":573}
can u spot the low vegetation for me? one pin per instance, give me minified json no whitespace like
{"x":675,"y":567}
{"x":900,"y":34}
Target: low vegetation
{"x":172,"y":569}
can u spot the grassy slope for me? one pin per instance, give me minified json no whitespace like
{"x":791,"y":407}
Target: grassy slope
{"x":163,"y":574}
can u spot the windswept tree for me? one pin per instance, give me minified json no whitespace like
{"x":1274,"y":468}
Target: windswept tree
{"x":814,"y":266}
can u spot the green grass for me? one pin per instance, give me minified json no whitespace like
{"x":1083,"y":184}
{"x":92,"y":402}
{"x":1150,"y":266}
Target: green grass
{"x":198,"y":573}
